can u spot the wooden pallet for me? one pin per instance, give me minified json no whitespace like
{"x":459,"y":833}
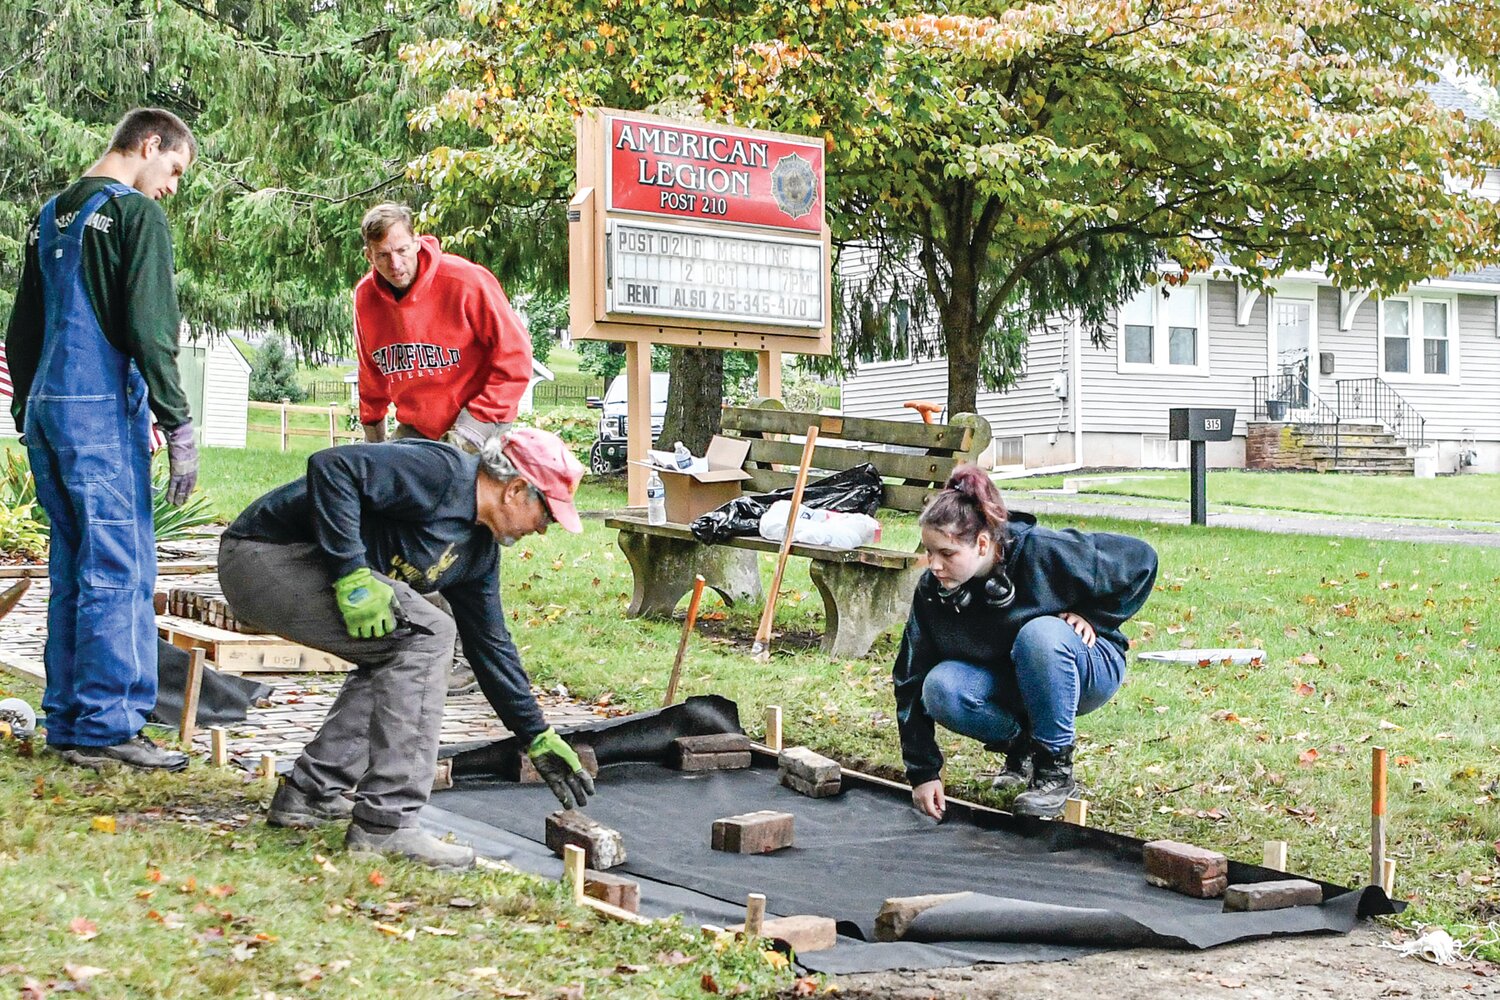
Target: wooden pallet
{"x":245,"y":653}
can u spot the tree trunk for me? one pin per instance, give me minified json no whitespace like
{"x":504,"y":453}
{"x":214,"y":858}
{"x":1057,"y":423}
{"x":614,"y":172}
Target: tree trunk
{"x":962,"y":338}
{"x":695,"y":398}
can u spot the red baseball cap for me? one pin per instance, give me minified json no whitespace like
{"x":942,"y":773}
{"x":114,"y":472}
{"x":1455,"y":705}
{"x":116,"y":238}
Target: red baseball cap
{"x":545,"y":462}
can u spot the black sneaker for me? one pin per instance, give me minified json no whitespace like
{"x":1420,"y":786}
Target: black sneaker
{"x":1051,"y":783}
{"x":139,"y":752}
{"x":1017,"y":773}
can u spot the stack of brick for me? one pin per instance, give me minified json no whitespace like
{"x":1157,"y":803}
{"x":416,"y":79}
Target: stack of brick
{"x":1192,"y":871}
{"x":719,"y":752}
{"x":808,"y":773}
{"x":204,"y":603}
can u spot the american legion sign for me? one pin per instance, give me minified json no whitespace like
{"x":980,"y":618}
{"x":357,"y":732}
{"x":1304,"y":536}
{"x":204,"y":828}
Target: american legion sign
{"x":696,"y":235}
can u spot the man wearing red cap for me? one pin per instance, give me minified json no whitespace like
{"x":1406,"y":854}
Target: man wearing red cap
{"x":338,"y":561}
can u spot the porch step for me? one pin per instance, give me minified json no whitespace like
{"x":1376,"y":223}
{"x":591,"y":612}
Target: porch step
{"x":1408,"y":468}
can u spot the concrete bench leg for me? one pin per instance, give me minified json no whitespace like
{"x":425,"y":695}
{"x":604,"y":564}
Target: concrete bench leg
{"x":860,"y":602}
{"x":664,"y":569}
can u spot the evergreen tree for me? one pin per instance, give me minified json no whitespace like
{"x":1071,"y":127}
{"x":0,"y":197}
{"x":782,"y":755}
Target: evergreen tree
{"x":273,"y":373}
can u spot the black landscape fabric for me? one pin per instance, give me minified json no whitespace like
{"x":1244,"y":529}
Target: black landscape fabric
{"x":1040,"y":890}
{"x":223,"y":698}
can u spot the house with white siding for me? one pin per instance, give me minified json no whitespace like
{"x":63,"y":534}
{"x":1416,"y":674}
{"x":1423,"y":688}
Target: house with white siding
{"x":1423,"y":365}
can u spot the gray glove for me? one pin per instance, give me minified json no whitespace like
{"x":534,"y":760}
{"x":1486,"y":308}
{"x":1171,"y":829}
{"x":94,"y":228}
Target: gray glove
{"x":182,"y":460}
{"x":374,"y":433}
{"x":470,"y":433}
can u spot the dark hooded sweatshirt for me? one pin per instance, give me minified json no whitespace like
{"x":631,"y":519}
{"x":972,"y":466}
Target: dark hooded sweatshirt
{"x":1104,"y":577}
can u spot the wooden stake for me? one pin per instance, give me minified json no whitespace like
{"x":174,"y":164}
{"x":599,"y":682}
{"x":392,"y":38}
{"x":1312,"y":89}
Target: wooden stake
{"x":1274,"y":856}
{"x":761,"y":648}
{"x":1377,"y":815}
{"x":218,"y":738}
{"x":188,"y":727}
{"x":773,"y":728}
{"x":268,"y":767}
{"x":1076,"y":811}
{"x":687,"y":630}
{"x":755,"y":914}
{"x":573,"y":868}
{"x":1388,"y":877}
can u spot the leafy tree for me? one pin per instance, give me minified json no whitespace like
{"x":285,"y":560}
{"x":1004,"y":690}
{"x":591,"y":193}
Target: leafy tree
{"x":300,"y":111}
{"x":1000,"y":163}
{"x":546,"y":314}
{"x":273,"y":374}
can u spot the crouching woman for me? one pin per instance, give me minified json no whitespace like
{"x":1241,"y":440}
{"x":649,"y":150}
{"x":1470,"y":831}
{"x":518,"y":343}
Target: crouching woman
{"x":1014,"y":632}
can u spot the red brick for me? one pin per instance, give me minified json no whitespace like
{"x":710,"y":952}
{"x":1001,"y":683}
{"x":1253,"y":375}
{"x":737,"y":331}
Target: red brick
{"x":1184,"y":868}
{"x":804,"y":931}
{"x":689,"y":761}
{"x":603,"y":847}
{"x":529,"y":775}
{"x":812,"y":768}
{"x":614,"y":890}
{"x":1278,"y":895}
{"x":714,"y":743}
{"x":812,"y":791}
{"x":753,"y":833}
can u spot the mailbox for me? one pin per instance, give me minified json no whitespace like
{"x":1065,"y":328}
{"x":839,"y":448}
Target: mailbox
{"x":1196,"y":423}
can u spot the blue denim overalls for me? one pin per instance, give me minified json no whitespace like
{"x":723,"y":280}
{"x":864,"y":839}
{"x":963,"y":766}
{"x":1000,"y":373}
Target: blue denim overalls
{"x":88,"y":437}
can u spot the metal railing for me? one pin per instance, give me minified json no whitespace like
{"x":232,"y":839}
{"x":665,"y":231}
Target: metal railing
{"x":1373,"y":399}
{"x":1288,"y":397}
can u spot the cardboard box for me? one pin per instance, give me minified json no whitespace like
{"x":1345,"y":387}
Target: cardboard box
{"x":692,"y":493}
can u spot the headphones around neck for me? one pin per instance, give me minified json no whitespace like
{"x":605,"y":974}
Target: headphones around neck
{"x":999,"y":592}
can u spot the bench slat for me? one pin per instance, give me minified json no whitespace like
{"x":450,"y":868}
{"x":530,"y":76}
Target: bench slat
{"x":942,"y":438}
{"x":893,"y":465}
{"x":886,"y":558}
{"x":911,"y":499}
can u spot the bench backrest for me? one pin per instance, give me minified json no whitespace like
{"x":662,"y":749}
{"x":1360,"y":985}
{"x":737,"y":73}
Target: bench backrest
{"x":913,"y":475}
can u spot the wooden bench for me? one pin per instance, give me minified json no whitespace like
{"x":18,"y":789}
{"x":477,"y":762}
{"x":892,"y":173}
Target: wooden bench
{"x":865,"y":590}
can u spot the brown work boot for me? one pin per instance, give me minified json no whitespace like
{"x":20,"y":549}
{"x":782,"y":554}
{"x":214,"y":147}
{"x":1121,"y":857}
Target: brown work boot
{"x":292,"y":807}
{"x":139,"y":752}
{"x":409,"y":842}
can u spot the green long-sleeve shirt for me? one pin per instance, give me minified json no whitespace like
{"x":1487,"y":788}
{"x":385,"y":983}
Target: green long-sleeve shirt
{"x":127,"y":272}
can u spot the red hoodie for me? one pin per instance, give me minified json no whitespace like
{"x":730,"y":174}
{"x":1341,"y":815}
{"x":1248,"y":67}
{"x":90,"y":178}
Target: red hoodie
{"x":451,"y":341}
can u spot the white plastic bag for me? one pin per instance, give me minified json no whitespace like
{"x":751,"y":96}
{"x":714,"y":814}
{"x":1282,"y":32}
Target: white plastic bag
{"x":819,"y":527}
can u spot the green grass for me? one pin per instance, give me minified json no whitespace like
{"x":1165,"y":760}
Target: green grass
{"x":194,"y":896}
{"x":1368,"y":643}
{"x":1451,"y":498}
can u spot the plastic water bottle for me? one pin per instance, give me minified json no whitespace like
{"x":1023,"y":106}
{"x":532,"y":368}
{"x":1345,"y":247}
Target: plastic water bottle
{"x":656,"y":500}
{"x":682,"y":456}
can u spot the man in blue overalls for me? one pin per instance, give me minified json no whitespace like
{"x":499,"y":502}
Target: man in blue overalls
{"x":92,"y":342}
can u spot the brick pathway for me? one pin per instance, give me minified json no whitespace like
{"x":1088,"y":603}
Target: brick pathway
{"x":298,"y":702}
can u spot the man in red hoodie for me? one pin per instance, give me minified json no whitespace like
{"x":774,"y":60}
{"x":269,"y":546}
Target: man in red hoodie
{"x":436,"y":336}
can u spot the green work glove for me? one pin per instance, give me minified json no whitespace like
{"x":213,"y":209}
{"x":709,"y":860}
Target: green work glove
{"x":365,"y":603}
{"x":560,"y":768}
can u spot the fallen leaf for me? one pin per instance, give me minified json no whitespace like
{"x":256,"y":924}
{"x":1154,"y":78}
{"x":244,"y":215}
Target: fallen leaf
{"x":672,"y":958}
{"x":1404,"y":761}
{"x":462,"y":903}
{"x":82,"y":973}
{"x":1389,"y":726}
{"x":103,"y":824}
{"x":805,"y":987}
{"x":85,"y":928}
{"x":573,"y":992}
{"x":439,"y":931}
{"x":626,"y":969}
{"x":221,"y":891}
{"x":774,"y":959}
{"x":1308,"y":757}
{"x":377,"y":879}
{"x":190,"y":886}
{"x":709,"y":983}
{"x":1303,"y":688}
{"x":1307,"y":659}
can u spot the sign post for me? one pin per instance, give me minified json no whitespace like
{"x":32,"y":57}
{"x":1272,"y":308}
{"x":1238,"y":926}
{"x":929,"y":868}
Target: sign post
{"x":696,"y":235}
{"x":1199,"y":425}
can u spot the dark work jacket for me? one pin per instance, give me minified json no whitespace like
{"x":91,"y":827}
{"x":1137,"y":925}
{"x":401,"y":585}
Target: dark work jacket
{"x":1106,"y":578}
{"x":407,"y":509}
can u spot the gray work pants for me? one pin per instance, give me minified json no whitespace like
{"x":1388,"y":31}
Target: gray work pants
{"x":380,"y":738}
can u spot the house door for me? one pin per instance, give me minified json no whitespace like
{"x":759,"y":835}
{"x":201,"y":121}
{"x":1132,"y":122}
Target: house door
{"x":1293,"y":344}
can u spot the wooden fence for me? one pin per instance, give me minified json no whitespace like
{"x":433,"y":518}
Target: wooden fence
{"x":564,"y":393}
{"x":336,"y":431}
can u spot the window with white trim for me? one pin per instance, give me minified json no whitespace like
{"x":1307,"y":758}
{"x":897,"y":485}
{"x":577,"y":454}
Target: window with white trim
{"x":1418,"y":336}
{"x":1165,"y":331}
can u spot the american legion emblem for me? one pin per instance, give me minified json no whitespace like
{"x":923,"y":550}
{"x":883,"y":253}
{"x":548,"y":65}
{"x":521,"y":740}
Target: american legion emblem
{"x":794,"y":185}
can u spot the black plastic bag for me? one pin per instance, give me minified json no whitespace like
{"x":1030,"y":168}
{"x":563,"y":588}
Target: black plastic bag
{"x":853,"y":491}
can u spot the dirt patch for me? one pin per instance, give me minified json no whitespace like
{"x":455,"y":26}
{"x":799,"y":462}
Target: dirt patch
{"x":1349,"y":968}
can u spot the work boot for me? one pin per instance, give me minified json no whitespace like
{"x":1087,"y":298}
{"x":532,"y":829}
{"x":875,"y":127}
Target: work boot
{"x":409,"y":842}
{"x":139,"y":752}
{"x":1017,"y":773}
{"x":461,"y":679}
{"x":1051,"y":783}
{"x":292,"y":807}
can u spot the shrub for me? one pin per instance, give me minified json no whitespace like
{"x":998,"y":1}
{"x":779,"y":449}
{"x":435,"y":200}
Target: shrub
{"x":273,"y":374}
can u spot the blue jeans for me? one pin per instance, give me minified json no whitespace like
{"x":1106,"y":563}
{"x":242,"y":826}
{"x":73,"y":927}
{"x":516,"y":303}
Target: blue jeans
{"x":1056,"y":677}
